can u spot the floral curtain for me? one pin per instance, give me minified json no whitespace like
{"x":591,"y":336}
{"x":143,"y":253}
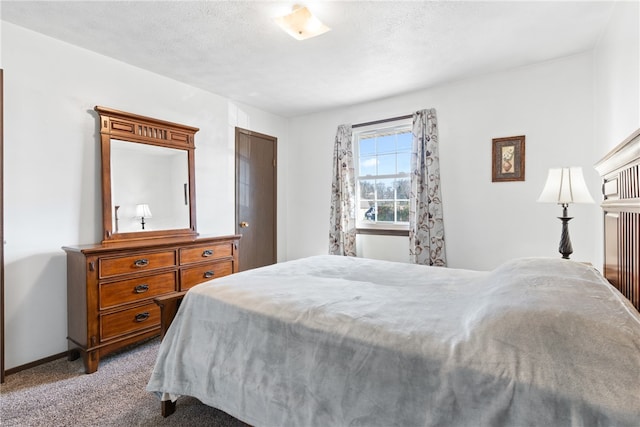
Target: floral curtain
{"x":426,"y":227}
{"x":342,"y":232}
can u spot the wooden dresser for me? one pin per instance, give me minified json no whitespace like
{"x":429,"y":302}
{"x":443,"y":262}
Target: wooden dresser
{"x":111,"y":287}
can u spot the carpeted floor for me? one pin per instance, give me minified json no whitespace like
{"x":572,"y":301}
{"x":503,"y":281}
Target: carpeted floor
{"x":60,"y":394}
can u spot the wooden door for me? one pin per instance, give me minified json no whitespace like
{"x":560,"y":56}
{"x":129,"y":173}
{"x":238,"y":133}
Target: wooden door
{"x":256,"y":216}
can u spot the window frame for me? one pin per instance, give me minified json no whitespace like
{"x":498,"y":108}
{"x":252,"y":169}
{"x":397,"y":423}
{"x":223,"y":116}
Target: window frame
{"x":399,"y":126}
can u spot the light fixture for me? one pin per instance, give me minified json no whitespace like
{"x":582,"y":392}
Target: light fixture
{"x":301,"y":24}
{"x":564,"y":186}
{"x":142,"y":212}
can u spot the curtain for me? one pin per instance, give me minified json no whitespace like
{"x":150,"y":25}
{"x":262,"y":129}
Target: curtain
{"x":342,"y":232}
{"x":426,"y":227}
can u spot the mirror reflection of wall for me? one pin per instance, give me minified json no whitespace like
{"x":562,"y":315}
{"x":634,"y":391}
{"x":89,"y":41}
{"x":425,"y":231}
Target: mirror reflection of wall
{"x":151,"y":175}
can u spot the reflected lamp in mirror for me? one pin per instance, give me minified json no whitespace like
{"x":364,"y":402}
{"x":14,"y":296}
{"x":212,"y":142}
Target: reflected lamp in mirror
{"x":142,"y":212}
{"x":565,"y":186}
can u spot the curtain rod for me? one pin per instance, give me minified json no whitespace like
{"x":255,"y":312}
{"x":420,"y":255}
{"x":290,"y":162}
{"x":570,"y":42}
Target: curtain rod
{"x":376,"y":122}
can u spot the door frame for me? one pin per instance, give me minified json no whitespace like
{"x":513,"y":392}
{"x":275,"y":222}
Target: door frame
{"x":274,"y":140}
{"x":2,"y":373}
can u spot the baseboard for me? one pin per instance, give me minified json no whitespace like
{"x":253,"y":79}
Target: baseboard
{"x":35,"y":363}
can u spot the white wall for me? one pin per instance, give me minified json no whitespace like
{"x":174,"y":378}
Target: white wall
{"x":52,"y":169}
{"x":617,"y":85}
{"x":572,"y":111}
{"x":485,"y":223}
{"x":389,"y":248}
{"x":617,"y":77}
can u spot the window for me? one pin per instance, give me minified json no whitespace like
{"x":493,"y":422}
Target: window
{"x":383,"y":176}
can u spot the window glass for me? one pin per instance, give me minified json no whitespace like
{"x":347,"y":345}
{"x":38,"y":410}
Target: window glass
{"x":367,"y":189}
{"x":402,"y":211}
{"x":368,"y":165}
{"x":386,"y":144}
{"x":404,"y":141}
{"x":403,"y":187}
{"x":387,"y":164}
{"x":385,"y":189}
{"x":385,"y":211}
{"x":404,"y":163}
{"x":368,"y":147}
{"x":384,"y":166}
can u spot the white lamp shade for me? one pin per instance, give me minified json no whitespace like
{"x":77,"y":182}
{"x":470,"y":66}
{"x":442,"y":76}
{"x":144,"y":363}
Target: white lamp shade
{"x":143,"y":211}
{"x":301,"y":24}
{"x":564,"y":186}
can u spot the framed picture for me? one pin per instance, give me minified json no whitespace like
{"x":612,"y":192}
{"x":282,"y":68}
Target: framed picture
{"x":508,"y":159}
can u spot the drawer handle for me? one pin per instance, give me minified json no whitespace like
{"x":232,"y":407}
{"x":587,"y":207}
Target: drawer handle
{"x":208,"y":274}
{"x":141,"y":317}
{"x":141,"y":262}
{"x":141,"y":289}
{"x":207,"y":253}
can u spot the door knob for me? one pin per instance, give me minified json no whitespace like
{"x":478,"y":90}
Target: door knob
{"x":244,"y":224}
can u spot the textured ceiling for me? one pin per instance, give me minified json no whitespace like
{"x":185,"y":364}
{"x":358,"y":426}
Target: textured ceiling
{"x":375,"y":49}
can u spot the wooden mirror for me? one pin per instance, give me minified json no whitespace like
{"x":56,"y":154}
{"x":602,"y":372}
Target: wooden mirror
{"x":148,"y":177}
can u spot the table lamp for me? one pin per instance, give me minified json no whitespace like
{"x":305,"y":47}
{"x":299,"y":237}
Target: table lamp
{"x":565,"y":186}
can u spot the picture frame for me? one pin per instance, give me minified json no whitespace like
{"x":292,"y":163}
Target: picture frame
{"x":508,"y":156}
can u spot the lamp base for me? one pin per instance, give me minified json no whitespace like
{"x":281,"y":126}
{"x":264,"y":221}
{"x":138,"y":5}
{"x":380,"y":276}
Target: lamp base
{"x":565,"y":247}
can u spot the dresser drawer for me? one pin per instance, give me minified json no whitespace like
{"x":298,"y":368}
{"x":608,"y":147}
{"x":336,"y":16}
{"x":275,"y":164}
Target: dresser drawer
{"x":189,"y":277}
{"x":135,"y":319}
{"x":125,"y":291}
{"x":136,"y":263}
{"x":205,"y":253}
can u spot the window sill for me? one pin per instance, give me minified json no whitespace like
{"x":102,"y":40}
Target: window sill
{"x":383,"y":231}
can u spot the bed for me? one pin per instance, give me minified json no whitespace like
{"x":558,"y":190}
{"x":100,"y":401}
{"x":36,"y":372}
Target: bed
{"x":333,"y":341}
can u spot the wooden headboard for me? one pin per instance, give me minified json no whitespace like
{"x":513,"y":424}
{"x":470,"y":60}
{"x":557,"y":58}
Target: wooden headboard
{"x":621,"y":190}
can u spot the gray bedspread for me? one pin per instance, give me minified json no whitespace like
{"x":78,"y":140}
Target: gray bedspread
{"x":339,"y":341}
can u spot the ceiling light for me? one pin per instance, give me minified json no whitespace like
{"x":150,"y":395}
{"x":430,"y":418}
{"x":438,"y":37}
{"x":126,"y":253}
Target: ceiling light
{"x":301,"y":24}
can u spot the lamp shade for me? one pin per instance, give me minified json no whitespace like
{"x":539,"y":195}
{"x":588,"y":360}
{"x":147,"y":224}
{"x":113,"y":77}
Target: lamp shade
{"x":564,"y":186}
{"x":143,"y":211}
{"x":301,"y":24}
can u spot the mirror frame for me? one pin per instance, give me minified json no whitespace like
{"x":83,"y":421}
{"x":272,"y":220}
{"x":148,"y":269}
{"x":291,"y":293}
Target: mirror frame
{"x":115,"y":124}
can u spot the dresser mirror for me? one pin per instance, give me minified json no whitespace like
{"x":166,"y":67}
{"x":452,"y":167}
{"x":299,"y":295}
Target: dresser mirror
{"x":149,"y":187}
{"x":148,"y":179}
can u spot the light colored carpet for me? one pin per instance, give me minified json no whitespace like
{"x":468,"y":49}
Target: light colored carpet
{"x":58,"y":393}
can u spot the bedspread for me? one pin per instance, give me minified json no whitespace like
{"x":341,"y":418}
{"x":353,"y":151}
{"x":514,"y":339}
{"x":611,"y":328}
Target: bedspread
{"x":341,"y":341}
